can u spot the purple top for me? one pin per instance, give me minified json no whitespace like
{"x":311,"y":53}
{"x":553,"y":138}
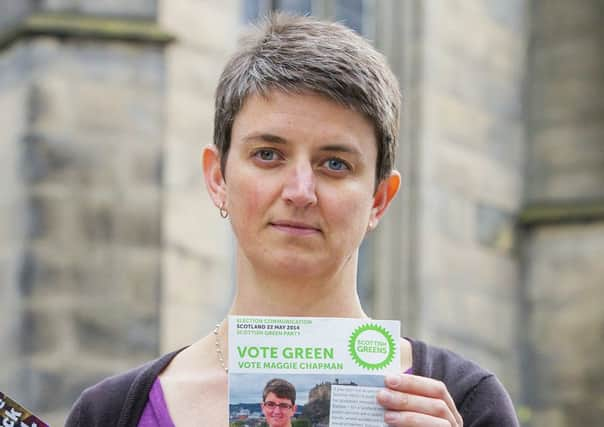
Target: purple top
{"x":156,"y":412}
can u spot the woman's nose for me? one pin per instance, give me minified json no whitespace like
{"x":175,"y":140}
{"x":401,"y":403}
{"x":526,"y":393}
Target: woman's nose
{"x":299,"y":187}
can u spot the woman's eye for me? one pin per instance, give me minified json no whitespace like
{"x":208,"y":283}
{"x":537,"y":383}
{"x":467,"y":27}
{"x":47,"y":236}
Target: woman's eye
{"x":336,"y":165}
{"x":266,"y":155}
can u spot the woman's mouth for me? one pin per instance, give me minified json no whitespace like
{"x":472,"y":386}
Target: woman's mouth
{"x":295,"y":228}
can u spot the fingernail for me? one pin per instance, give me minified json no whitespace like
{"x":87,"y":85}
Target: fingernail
{"x":393,"y":380}
{"x":385,"y":396}
{"x":390,"y":417}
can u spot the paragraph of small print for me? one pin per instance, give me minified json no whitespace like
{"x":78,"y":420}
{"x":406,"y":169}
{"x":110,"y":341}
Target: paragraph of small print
{"x":354,"y":406}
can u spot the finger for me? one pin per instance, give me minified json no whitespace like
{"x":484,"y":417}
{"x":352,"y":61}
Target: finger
{"x":413,"y":419}
{"x":428,"y":387}
{"x":397,"y":401}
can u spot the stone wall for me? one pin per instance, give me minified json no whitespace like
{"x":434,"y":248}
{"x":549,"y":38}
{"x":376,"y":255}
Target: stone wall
{"x":197,"y":257}
{"x":14,"y":79}
{"x":566,"y":113}
{"x":82,"y":170}
{"x":469,"y":161}
{"x":132,"y":8}
{"x":12,"y":12}
{"x":563,"y":379}
{"x":91,"y":274}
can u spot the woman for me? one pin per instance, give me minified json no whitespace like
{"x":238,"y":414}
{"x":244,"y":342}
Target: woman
{"x":302,"y":163}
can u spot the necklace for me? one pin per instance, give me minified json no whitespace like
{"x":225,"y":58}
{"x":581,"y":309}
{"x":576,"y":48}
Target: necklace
{"x":219,"y":349}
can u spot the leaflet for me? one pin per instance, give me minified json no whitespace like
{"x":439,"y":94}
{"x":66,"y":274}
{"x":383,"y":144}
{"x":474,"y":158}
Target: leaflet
{"x":309,"y":371}
{"x":12,"y":414}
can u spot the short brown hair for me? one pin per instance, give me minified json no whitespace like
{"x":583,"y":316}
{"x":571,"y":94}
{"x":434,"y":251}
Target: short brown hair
{"x":297,"y":54}
{"x":281,"y":388}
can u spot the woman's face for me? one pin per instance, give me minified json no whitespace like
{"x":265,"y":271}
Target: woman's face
{"x":299,"y":183}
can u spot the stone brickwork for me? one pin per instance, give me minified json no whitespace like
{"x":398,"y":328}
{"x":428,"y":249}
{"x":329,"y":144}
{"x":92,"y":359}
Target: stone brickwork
{"x":12,"y":12}
{"x":564,"y":377}
{"x":85,"y":178}
{"x":563,"y":380}
{"x":198,"y":251}
{"x":130,"y":8}
{"x":14,"y":79}
{"x":566,"y":122}
{"x":471,"y":179}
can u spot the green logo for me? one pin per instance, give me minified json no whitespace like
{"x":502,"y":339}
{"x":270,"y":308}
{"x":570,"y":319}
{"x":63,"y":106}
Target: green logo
{"x":371,"y":347}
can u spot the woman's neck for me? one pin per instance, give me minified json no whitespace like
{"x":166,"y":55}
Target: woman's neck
{"x":334,"y":295}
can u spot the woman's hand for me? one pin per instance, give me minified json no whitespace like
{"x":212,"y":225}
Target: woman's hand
{"x":411,"y":400}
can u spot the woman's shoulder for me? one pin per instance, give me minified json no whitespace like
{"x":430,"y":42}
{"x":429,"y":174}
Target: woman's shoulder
{"x":444,"y":365}
{"x":116,"y":400}
{"x":478,"y":394}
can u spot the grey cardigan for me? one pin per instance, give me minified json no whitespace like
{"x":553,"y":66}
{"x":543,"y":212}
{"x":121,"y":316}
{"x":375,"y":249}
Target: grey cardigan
{"x":479,"y":396}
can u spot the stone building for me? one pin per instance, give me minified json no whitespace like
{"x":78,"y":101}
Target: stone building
{"x":111,"y":253}
{"x":316,"y":408}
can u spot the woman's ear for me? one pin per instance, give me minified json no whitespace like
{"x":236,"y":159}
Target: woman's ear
{"x":384,"y":194}
{"x":212,"y":172}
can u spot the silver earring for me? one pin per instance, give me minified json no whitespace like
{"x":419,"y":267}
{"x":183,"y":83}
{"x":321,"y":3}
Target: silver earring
{"x":223,"y":212}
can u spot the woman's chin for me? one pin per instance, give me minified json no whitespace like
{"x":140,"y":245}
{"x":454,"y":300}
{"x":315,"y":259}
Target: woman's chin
{"x":296,"y":267}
